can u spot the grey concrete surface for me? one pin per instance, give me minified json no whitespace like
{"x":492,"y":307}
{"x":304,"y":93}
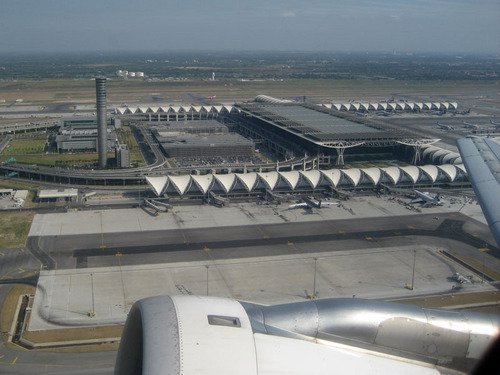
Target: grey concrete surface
{"x":67,"y":297}
{"x":136,"y":220}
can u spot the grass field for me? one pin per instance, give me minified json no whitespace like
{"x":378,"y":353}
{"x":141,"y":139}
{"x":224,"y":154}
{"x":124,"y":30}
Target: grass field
{"x":125,"y":136}
{"x":15,"y":227}
{"x":26,"y":146}
{"x":9,"y":307}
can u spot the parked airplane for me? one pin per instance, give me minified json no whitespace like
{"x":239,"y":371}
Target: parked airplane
{"x":444,"y":126}
{"x":468,"y":125}
{"x":460,"y":279}
{"x":426,"y":199}
{"x":309,"y":203}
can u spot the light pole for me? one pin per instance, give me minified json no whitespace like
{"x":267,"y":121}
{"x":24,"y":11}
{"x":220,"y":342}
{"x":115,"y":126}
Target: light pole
{"x":207,"y":267}
{"x":92,"y":312}
{"x":484,"y":250}
{"x":413,"y":271}
{"x":314,"y":280}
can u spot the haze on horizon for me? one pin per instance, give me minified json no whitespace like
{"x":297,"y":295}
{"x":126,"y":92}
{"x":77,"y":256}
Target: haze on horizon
{"x":444,"y":26}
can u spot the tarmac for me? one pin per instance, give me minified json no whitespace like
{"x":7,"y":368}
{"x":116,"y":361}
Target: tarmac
{"x":104,"y":295}
{"x":98,"y":263}
{"x":196,"y":216}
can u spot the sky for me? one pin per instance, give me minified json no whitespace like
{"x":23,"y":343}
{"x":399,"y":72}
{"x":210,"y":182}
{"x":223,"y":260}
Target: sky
{"x":446,"y":26}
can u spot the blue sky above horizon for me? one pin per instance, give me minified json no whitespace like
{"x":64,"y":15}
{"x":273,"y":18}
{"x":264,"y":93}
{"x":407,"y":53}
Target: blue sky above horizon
{"x":315,"y":25}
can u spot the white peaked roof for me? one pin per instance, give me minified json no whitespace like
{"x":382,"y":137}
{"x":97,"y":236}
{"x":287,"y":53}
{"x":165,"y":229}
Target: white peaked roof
{"x":436,"y":105}
{"x":428,"y":105}
{"x":374,"y":106}
{"x":400,"y":106}
{"x":454,"y":105}
{"x":429,"y":150}
{"x":180,"y":183}
{"x":327,"y":105}
{"x":354,"y":174}
{"x":218,"y":108}
{"x":419,"y":105}
{"x":449,"y":170}
{"x":291,"y":178}
{"x":153,"y":109}
{"x":373,"y":174}
{"x":461,"y":167}
{"x":411,"y":105}
{"x":457,"y":161}
{"x":332,"y":175}
{"x":440,"y":153}
{"x":393,"y":172}
{"x":431,"y":171}
{"x":247,"y":179}
{"x":393,"y":106}
{"x":337,"y":106}
{"x":207,"y":108}
{"x":365,"y":106}
{"x":384,"y":106}
{"x":450,"y":157}
{"x":186,"y":108}
{"x":158,"y":184}
{"x":142,"y":109}
{"x":203,"y":182}
{"x":226,"y":180}
{"x":412,"y":172}
{"x":174,"y":109}
{"x":347,"y":106}
{"x":197,"y":108}
{"x":312,"y":177}
{"x":269,"y":178}
{"x":356,"y":106}
{"x":446,"y":105}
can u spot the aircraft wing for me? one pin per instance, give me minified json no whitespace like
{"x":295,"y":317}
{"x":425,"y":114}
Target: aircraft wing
{"x":481,"y":157}
{"x":298,"y":205}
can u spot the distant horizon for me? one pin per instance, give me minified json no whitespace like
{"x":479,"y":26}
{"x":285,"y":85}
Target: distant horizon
{"x":395,"y":53}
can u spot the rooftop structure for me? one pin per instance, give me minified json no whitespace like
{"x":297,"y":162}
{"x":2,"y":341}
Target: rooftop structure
{"x":317,"y":130}
{"x":296,"y":181}
{"x":122,"y":156}
{"x":391,"y":106}
{"x":84,"y":139}
{"x":206,"y":145}
{"x":57,"y":194}
{"x":323,"y":128}
{"x":80,"y":122}
{"x":193,"y":127}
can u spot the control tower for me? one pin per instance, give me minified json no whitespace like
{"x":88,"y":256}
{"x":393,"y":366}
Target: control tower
{"x":102,"y":132}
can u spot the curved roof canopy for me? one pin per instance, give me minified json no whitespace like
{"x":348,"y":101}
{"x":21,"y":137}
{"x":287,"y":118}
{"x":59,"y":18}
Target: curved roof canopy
{"x":394,"y":173}
{"x":312,"y":177}
{"x":180,"y":183}
{"x":226,"y":181}
{"x":269,"y":178}
{"x":374,"y":174}
{"x":247,"y":179}
{"x":354,"y":174}
{"x":431,"y":171}
{"x":203,"y":182}
{"x":412,"y":172}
